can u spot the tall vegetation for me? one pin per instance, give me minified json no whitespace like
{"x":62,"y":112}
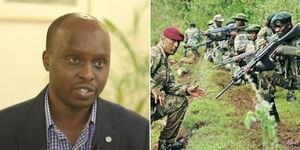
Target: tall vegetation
{"x":181,"y":12}
{"x":131,"y":85}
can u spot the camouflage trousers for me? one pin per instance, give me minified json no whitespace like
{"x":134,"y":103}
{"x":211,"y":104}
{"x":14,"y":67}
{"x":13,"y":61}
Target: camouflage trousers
{"x":268,"y":80}
{"x":174,"y":109}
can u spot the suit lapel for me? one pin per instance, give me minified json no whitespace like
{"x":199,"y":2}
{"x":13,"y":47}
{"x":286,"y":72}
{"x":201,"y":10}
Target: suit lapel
{"x":34,"y":134}
{"x":106,"y":137}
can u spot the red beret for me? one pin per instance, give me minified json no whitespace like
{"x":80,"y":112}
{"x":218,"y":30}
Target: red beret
{"x":173,"y":33}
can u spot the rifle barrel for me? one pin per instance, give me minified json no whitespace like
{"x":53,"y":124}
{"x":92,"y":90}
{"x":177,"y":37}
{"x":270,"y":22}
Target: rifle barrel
{"x":228,"y":86}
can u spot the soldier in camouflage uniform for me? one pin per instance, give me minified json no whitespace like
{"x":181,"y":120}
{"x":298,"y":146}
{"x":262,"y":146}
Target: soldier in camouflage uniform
{"x":267,"y":32}
{"x":210,"y":23}
{"x":191,"y":41}
{"x":240,"y":21}
{"x":243,"y":43}
{"x":167,"y":97}
{"x":215,"y":37}
{"x":282,"y":68}
{"x":265,"y":35}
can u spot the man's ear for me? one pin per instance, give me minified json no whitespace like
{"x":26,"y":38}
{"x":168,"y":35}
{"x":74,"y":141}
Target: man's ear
{"x":46,"y":59}
{"x":162,"y":39}
{"x":290,"y":25}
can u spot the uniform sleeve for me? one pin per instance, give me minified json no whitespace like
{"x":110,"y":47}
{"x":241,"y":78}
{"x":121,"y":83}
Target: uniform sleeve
{"x":262,"y":33}
{"x":154,"y":64}
{"x":290,"y":50}
{"x":239,"y":43}
{"x":176,"y":89}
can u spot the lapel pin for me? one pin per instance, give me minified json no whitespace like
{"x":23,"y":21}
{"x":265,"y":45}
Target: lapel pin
{"x":108,"y":139}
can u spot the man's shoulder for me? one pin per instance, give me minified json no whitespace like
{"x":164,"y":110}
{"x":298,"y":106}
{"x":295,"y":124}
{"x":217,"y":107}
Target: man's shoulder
{"x":16,"y":111}
{"x":156,"y":52}
{"x":12,"y":121}
{"x":123,"y":114}
{"x":262,"y":31}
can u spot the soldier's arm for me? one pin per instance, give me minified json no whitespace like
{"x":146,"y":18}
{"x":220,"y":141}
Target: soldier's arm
{"x":176,"y":89}
{"x":154,"y":64}
{"x":289,"y":50}
{"x":239,"y":45}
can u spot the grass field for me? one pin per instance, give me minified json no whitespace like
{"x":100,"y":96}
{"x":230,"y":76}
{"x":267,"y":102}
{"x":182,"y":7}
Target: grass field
{"x":212,"y":124}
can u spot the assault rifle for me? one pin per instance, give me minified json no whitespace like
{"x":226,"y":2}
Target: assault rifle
{"x":235,"y":58}
{"x":294,"y":32}
{"x":225,"y":29}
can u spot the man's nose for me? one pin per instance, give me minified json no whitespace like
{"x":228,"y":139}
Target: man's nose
{"x":277,"y":29}
{"x":87,"y":72}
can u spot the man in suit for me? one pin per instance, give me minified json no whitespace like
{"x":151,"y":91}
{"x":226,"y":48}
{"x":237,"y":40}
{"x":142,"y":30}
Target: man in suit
{"x":68,"y":114}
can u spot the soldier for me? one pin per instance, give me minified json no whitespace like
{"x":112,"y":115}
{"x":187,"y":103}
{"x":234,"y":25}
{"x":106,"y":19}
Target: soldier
{"x":243,"y":43}
{"x":249,"y":40}
{"x":264,"y":36}
{"x":215,"y":37}
{"x":167,"y":97}
{"x":210,"y":23}
{"x":240,"y":21}
{"x":283,"y":63}
{"x":191,"y":41}
{"x":237,"y":35}
{"x":267,"y":32}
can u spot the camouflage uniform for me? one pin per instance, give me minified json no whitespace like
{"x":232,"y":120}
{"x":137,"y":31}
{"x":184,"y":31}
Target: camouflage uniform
{"x":175,"y":94}
{"x":213,"y":47}
{"x":264,"y":36}
{"x":231,"y":43}
{"x":265,"y":33}
{"x":191,"y":40}
{"x":243,"y":44}
{"x":284,"y":71}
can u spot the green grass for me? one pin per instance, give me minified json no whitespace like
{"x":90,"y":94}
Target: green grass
{"x":223,"y":121}
{"x":223,"y":125}
{"x":288,"y":111}
{"x":219,"y":126}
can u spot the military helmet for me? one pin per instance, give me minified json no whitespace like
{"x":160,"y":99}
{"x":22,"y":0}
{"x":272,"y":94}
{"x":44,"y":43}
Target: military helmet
{"x":218,"y":17}
{"x":253,"y":28}
{"x":281,"y":17}
{"x":240,"y":16}
{"x":210,"y":22}
{"x":270,"y":16}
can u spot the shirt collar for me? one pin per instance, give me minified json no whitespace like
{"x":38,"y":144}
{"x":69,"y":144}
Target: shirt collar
{"x":49,"y":120}
{"x":159,"y":45}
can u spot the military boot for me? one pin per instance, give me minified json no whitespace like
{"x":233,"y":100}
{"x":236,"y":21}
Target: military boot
{"x":162,"y":145}
{"x":291,"y":96}
{"x":178,"y":145}
{"x":273,"y":111}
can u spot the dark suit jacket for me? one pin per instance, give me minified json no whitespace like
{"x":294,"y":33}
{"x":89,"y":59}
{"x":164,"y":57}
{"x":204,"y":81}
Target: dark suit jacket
{"x":23,"y":127}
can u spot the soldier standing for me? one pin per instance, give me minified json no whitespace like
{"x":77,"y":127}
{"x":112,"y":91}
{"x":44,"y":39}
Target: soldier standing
{"x":282,"y":68}
{"x":191,"y":41}
{"x":167,"y":97}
